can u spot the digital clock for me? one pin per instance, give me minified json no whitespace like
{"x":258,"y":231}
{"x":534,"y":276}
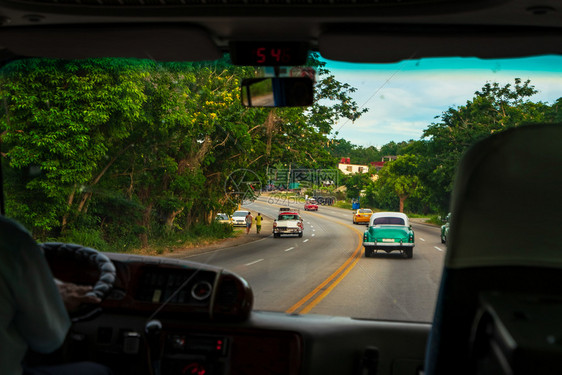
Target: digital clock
{"x":268,"y":53}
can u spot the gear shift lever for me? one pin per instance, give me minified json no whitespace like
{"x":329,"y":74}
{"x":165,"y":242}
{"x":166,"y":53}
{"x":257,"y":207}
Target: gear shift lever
{"x":153,"y":330}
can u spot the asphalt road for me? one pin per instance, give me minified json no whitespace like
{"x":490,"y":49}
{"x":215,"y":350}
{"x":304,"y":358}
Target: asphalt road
{"x":326,"y":272}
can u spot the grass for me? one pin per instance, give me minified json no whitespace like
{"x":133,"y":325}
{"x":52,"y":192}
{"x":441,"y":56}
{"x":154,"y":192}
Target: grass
{"x":161,"y":243}
{"x":414,"y":215}
{"x":343,"y":204}
{"x":198,"y":235}
{"x":435,"y":219}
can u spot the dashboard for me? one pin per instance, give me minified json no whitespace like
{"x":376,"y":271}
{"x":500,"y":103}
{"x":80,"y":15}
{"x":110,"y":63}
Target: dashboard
{"x":178,"y":317}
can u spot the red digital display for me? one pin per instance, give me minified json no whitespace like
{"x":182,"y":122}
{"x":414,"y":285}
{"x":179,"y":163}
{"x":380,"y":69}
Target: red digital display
{"x":268,"y":53}
{"x":268,"y":56}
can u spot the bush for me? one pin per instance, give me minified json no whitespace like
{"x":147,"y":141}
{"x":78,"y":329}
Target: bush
{"x":343,"y":204}
{"x":435,"y":219}
{"x":86,"y":237}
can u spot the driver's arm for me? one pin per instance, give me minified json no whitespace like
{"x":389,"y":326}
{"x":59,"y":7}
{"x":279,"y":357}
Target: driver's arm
{"x":30,"y":300}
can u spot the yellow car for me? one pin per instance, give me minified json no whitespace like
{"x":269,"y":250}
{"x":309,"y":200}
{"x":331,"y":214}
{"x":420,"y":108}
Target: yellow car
{"x":362,"y":216}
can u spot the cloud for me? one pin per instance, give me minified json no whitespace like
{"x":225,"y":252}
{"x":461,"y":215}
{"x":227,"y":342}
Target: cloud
{"x":403,"y":99}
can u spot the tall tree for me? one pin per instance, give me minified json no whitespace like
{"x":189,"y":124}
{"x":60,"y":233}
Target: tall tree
{"x":494,"y":108}
{"x":61,"y":119}
{"x":400,"y":177}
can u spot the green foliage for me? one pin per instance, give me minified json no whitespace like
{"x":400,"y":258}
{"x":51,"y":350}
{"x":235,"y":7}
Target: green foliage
{"x":355,"y":183}
{"x":436,"y":220}
{"x":125,"y":151}
{"x":343,"y":204}
{"x":493,"y":109}
{"x":122,"y":153}
{"x":399,"y":177}
{"x":341,"y":148}
{"x":88,"y":237}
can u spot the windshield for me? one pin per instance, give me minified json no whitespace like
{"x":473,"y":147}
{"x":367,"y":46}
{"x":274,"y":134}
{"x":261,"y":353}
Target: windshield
{"x":388,"y":221}
{"x":138,"y":157}
{"x":288,"y":217}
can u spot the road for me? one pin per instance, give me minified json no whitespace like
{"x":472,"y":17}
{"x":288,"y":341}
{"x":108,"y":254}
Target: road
{"x":326,"y":272}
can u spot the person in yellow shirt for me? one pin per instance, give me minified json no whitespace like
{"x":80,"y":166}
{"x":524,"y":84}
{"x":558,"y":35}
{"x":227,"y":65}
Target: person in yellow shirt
{"x":258,"y":222}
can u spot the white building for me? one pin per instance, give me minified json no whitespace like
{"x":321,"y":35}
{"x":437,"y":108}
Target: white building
{"x":347,"y":168}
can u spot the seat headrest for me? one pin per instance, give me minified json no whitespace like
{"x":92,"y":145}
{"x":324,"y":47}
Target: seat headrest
{"x":507,"y":201}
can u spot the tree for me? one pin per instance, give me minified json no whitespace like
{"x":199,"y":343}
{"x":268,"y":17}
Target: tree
{"x":61,"y":120}
{"x":401,"y":177}
{"x":495,"y":108}
{"x":355,"y":183}
{"x":94,"y":139}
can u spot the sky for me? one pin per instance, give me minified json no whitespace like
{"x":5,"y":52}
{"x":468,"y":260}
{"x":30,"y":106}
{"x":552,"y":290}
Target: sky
{"x":404,"y":98}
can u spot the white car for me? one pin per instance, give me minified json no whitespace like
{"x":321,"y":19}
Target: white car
{"x":239,"y":218}
{"x":288,"y":223}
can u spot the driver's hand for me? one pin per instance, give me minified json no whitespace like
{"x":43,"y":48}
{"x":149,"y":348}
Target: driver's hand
{"x":74,"y":295}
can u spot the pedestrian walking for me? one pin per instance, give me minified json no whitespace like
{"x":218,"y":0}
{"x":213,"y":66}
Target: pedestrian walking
{"x":249,"y":220}
{"x":258,"y":223}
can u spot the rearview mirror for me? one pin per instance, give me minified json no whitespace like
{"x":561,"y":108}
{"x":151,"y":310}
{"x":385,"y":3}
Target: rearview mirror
{"x":277,"y":92}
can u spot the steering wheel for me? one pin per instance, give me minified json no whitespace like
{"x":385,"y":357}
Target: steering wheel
{"x":89,"y":256}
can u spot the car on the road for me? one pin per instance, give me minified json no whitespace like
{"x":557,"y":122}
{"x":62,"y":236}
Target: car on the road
{"x":223,"y":218}
{"x":311,"y":205}
{"x":239,"y":218}
{"x":288,"y":223}
{"x":389,"y":231}
{"x":445,"y":229}
{"x":362,"y":216}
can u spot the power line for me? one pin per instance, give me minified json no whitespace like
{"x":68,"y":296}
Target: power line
{"x":375,"y":93}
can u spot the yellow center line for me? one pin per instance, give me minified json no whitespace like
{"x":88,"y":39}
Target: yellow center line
{"x":325,"y":293}
{"x":342,"y":271}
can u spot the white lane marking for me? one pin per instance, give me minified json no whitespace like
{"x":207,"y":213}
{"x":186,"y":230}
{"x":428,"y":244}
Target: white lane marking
{"x":305,"y":240}
{"x":308,"y":222}
{"x":289,"y":249}
{"x":438,"y":248}
{"x":312,"y":234}
{"x":257,"y":261}
{"x":312,"y":226}
{"x":422,"y":239}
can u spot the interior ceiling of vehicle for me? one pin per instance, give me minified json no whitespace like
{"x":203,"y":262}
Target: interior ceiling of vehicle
{"x":338,"y":29}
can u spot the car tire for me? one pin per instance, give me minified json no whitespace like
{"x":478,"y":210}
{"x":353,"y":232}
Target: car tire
{"x":443,"y":239}
{"x":275,"y":235}
{"x":409,"y":253}
{"x":300,"y":235}
{"x":368,"y":252}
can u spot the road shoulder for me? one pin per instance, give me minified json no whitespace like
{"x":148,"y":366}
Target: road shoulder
{"x":240,"y":238}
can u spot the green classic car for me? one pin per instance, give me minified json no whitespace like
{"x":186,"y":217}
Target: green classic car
{"x":389,"y":231}
{"x":445,"y":229}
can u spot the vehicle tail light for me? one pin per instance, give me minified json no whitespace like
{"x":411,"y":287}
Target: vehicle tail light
{"x":299,"y":225}
{"x":274,"y":224}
